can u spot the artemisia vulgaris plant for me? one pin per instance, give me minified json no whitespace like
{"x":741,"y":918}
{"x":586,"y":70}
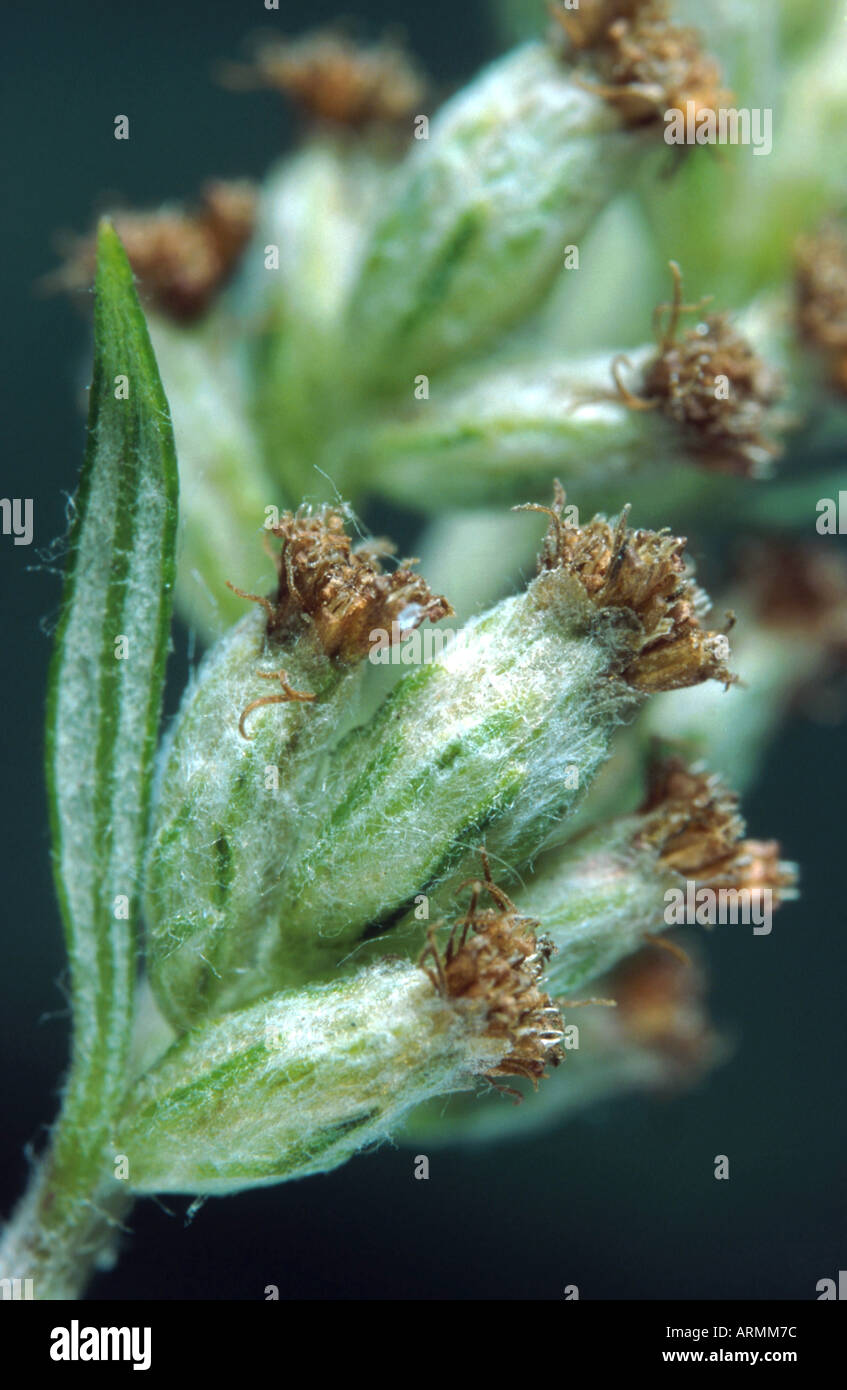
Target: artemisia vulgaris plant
{"x":412,"y":814}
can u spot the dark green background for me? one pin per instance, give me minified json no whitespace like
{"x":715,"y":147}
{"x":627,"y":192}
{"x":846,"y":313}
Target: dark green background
{"x":621,"y":1202}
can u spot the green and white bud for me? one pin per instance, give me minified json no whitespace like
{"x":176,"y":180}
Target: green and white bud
{"x":496,"y":738}
{"x":299,"y":1083}
{"x":515,"y":169}
{"x":499,"y":429}
{"x":313,"y":216}
{"x":246,"y":758}
{"x":497,"y":433}
{"x":224,"y":489}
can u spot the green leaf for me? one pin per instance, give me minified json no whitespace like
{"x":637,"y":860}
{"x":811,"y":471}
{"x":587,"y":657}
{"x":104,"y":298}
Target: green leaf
{"x":105,"y":693}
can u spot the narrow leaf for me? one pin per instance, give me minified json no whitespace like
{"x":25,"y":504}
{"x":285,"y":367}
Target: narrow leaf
{"x":106,"y":679}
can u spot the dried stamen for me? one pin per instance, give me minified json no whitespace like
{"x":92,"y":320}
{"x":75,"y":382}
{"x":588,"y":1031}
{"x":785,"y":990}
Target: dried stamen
{"x":339,"y":591}
{"x":181,"y":259}
{"x":644,"y":574}
{"x":336,"y":81}
{"x":640,"y":61}
{"x":493,"y":961}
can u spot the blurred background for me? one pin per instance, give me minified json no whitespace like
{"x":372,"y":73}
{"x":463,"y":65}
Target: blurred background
{"x":621,"y":1201}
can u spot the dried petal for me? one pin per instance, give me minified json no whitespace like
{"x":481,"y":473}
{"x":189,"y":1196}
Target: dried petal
{"x":646,"y":63}
{"x":692,"y":821}
{"x":340,"y":591}
{"x":642,"y":573}
{"x":182,"y":259}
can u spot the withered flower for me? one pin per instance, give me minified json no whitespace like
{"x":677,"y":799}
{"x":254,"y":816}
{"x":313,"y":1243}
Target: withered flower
{"x":182,"y":259}
{"x":821,"y":297}
{"x":691,"y":819}
{"x":645,"y":63}
{"x":715,"y":386}
{"x":493,"y":962}
{"x":338,"y":590}
{"x":661,"y":1009}
{"x":336,"y":81}
{"x":641,"y":573}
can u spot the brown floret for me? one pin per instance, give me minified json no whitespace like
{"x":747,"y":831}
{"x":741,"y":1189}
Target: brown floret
{"x":641,"y":573}
{"x":821,"y":298}
{"x":644,"y":62}
{"x":714,"y":386}
{"x":336,"y":81}
{"x":493,"y":962}
{"x":799,"y":588}
{"x":181,"y":259}
{"x":691,"y":820}
{"x":660,"y":1010}
{"x":339,"y":591}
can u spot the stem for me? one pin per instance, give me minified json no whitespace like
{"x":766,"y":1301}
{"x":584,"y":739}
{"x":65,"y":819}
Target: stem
{"x":69,"y":1215}
{"x":62,"y":1229}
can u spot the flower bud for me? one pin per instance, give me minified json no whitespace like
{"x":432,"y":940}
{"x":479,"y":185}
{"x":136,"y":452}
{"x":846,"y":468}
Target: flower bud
{"x":299,"y":1083}
{"x":500,"y":427}
{"x":245,"y":758}
{"x":497,"y":738}
{"x":657,"y":1038}
{"x":314,"y":214}
{"x":498,"y":430}
{"x":602,"y":893}
{"x":224,"y":487}
{"x":516,"y":167}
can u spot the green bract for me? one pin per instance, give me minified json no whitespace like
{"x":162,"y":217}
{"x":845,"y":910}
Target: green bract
{"x":228,"y":816}
{"x":515,"y":169}
{"x":297,"y":1085}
